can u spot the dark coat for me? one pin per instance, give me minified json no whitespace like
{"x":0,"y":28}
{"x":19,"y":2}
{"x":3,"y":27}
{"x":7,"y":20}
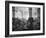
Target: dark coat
{"x":30,"y":26}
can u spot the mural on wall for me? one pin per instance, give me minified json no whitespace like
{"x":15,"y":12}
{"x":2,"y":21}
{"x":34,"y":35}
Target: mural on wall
{"x":26,"y":18}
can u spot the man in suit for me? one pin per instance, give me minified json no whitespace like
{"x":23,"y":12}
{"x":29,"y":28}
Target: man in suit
{"x":30,"y":23}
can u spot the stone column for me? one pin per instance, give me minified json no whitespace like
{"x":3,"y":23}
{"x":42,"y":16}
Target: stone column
{"x":30,"y":12}
{"x":13,"y":12}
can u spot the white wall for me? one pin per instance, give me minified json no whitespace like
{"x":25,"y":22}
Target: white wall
{"x":2,"y":19}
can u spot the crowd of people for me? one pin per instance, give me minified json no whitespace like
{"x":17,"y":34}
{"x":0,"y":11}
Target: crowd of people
{"x":30,"y":24}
